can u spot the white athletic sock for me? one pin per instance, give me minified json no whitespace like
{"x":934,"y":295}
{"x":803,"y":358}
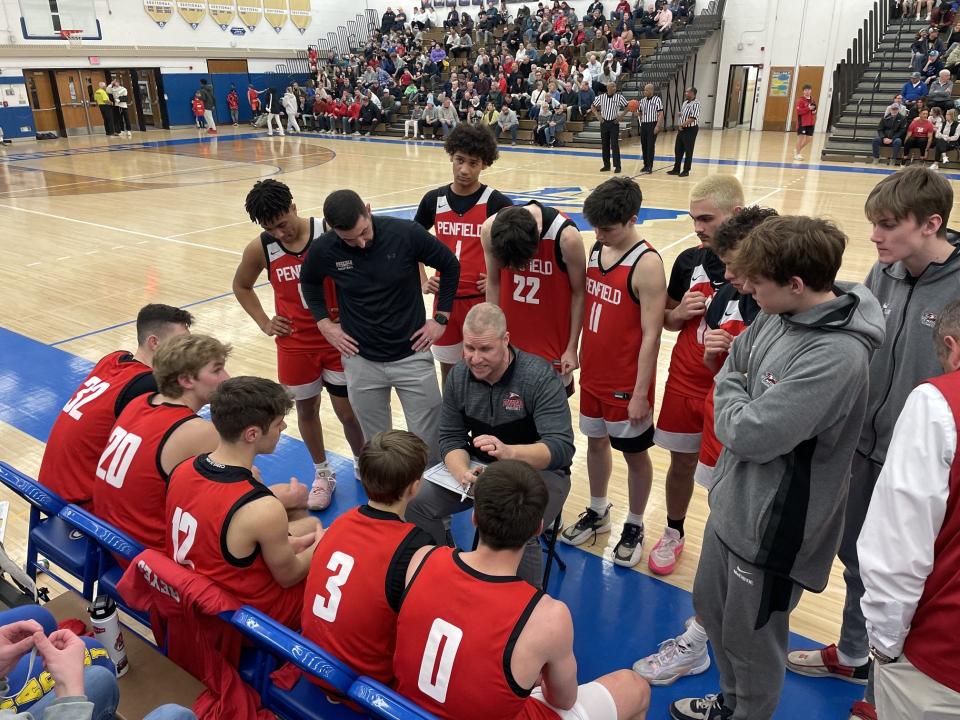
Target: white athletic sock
{"x":599,"y":504}
{"x":634,"y":519}
{"x":694,"y":637}
{"x":851,"y":661}
{"x":321,"y":466}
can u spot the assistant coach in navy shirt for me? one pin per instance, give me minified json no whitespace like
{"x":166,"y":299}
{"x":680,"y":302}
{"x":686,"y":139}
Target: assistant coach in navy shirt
{"x":383,"y":334}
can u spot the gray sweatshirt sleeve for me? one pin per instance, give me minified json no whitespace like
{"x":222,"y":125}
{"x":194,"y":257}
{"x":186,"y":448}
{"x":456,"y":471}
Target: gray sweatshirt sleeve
{"x":66,"y":708}
{"x":815,"y":390}
{"x":453,"y":429}
{"x":551,"y":415}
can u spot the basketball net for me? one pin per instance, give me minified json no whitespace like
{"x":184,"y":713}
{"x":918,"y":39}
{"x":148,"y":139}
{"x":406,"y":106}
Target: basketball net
{"x":74,"y":37}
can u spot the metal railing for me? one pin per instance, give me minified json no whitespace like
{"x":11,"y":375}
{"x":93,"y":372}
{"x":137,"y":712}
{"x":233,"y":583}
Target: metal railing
{"x":849,"y":71}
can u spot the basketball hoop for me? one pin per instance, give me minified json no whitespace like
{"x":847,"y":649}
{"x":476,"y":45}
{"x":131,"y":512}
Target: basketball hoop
{"x":74,"y":37}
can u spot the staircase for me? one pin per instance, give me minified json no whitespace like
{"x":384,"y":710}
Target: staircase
{"x":666,"y":69}
{"x":854,"y":127}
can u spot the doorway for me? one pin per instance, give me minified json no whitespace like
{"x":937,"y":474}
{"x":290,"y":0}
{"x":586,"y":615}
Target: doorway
{"x":741,"y":96}
{"x":43,"y":100}
{"x":75,"y":89}
{"x":148,"y":97}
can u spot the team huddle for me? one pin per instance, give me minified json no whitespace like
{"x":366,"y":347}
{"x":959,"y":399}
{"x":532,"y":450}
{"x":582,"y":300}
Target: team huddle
{"x":780,"y":380}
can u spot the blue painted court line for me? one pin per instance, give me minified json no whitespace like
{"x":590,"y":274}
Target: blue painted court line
{"x":131,"y":322}
{"x":619,"y":614}
{"x":503,"y":149}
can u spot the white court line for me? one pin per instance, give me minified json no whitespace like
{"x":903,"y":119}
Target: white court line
{"x":123,"y":230}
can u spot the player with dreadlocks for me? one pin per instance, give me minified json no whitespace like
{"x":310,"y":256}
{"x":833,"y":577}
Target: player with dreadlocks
{"x":306,"y":362}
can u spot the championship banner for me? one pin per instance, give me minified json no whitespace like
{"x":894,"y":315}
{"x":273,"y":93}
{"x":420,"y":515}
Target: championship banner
{"x":300,"y":14}
{"x":250,"y":12}
{"x":160,"y":11}
{"x":275,"y":13}
{"x":222,"y":13}
{"x":193,"y":11}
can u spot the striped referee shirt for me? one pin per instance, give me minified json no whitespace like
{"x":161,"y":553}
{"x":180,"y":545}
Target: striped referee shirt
{"x":610,"y":105}
{"x":690,"y":110}
{"x":650,"y":108}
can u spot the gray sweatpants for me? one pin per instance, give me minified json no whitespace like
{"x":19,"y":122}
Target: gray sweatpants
{"x":415,"y":380}
{"x":432,"y":507}
{"x":746,"y":613}
{"x":853,"y":632}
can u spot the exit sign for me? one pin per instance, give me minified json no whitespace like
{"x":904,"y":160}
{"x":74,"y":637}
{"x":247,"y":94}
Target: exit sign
{"x":94,"y":59}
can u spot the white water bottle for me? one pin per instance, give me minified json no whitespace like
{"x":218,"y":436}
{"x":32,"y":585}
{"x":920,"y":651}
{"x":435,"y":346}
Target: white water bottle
{"x":106,"y":629}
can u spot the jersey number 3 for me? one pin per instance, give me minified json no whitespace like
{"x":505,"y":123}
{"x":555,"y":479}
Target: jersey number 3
{"x":326,"y":608}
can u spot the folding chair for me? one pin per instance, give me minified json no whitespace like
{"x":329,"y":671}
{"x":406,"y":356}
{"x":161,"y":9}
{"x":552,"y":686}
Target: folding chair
{"x":276,"y":643}
{"x":50,"y":536}
{"x":113,"y":543}
{"x":384,"y":702}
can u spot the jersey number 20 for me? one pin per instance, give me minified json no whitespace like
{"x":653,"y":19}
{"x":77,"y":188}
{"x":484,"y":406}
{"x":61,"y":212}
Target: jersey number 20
{"x":121,"y":447}
{"x":326,"y":608}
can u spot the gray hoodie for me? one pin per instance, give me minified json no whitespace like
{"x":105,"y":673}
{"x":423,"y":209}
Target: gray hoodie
{"x":790,"y":402}
{"x":910,"y":308}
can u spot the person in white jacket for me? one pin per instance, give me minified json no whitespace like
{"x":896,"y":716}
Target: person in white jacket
{"x":271,"y":106}
{"x":119,"y":94}
{"x":947,"y":137}
{"x":292,"y":107}
{"x":909,"y":548}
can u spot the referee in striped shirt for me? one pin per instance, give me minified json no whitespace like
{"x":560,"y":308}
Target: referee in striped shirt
{"x":612,"y":107}
{"x":651,"y":123}
{"x":687,"y":134}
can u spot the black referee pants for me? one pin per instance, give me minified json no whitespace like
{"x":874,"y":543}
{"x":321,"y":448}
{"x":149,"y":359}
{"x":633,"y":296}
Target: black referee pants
{"x":683,"y":148}
{"x":648,"y":143}
{"x":610,"y":140}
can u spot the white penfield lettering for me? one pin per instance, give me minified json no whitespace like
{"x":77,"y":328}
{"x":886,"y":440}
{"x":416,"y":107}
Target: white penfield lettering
{"x":540,"y":267}
{"x":288,"y":272}
{"x":458,"y":229}
{"x":604,"y":292}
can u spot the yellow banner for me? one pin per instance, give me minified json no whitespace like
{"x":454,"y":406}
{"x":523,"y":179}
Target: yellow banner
{"x":250,"y":12}
{"x":300,"y":14}
{"x":193,"y":11}
{"x":160,"y":11}
{"x":275,"y":13}
{"x":222,"y":13}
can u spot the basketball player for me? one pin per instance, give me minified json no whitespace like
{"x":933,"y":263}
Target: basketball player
{"x":478,"y":653}
{"x":623,"y":319}
{"x":456,"y":213}
{"x":358,"y":573}
{"x":306,"y":362}
{"x":697,"y":274}
{"x":222,"y":522}
{"x":80,"y":431}
{"x":916,"y":275}
{"x":729,"y":314}
{"x":536,"y":270}
{"x":155,"y":433}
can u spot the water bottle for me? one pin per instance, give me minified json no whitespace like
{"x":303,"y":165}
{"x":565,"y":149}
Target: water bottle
{"x":106,"y":629}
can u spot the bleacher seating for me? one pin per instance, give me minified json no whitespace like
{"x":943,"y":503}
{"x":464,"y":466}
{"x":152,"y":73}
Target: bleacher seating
{"x":384,"y":702}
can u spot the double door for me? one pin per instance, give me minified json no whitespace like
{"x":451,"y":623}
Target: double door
{"x":75,"y":90}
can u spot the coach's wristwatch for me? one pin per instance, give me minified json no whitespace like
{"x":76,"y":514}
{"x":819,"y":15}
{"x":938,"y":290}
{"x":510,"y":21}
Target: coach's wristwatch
{"x":441,"y":319}
{"x":880,"y":657}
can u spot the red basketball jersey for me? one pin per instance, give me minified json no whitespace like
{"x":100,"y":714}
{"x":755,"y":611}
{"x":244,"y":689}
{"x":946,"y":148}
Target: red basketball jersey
{"x":346,"y":607}
{"x":461,"y":233}
{"x":201,"y":499}
{"x":612,"y":330}
{"x":283,"y":269}
{"x":701,"y":272}
{"x":536,"y":299}
{"x":130,"y":484}
{"x":80,"y":431}
{"x":455,"y":637}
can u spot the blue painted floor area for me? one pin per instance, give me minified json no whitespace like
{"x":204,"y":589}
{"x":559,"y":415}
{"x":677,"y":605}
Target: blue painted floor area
{"x":619,"y":614}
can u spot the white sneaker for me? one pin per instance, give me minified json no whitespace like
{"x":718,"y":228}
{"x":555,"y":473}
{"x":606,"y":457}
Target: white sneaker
{"x":934,"y":166}
{"x":321,"y":493}
{"x":129,"y":134}
{"x":673,"y":660}
{"x":627,"y":552}
{"x":944,"y":159}
{"x":798,"y":156}
{"x":663,"y":557}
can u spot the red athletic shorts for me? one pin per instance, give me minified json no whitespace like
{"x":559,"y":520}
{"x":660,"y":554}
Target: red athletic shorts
{"x":609,"y":418}
{"x":306,"y":372}
{"x":449,"y":348}
{"x":680,"y":424}
{"x":710,"y":447}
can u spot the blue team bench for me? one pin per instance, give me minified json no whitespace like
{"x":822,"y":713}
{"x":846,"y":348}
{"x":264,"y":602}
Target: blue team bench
{"x":88,"y":549}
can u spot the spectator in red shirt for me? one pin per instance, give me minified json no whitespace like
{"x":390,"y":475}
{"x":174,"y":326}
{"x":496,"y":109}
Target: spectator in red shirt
{"x":233,"y":103}
{"x":198,"y":109}
{"x":806,"y":119}
{"x":919,"y":137}
{"x":337,"y":110}
{"x":253,"y":97}
{"x":350,"y":116}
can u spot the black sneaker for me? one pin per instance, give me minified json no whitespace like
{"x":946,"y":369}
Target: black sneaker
{"x":616,"y":170}
{"x":627,"y":552}
{"x":706,"y":708}
{"x":673,"y":172}
{"x":605,"y":169}
{"x":588,"y":525}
